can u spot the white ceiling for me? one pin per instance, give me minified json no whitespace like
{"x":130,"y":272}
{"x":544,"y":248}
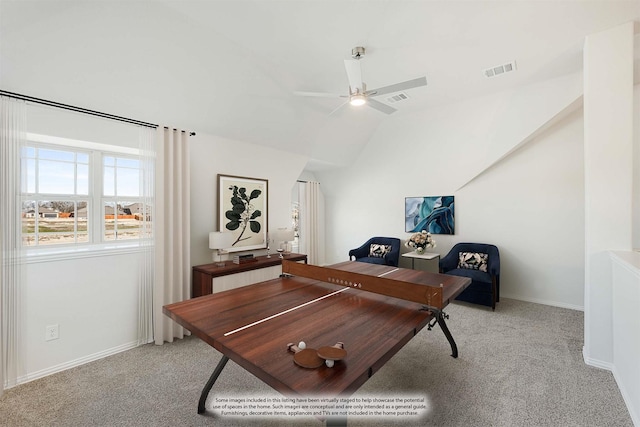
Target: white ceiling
{"x":230,"y":68}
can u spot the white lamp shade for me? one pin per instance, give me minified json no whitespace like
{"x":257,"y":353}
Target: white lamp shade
{"x":219,"y":240}
{"x":284,"y":235}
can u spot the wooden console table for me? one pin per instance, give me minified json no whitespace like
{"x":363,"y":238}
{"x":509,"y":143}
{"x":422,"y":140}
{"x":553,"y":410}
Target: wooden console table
{"x":203,"y":276}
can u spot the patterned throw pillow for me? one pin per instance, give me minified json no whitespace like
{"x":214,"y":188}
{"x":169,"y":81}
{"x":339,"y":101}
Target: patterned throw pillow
{"x":473,"y":260}
{"x":378,"y":251}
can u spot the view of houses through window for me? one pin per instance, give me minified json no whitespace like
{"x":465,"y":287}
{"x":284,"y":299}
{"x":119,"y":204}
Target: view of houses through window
{"x":76,"y":196}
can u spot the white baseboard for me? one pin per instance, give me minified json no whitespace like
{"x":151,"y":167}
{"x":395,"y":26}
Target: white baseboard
{"x":77,"y":362}
{"x":634,"y":411}
{"x":596,"y":363}
{"x":632,"y":407}
{"x":542,"y":301}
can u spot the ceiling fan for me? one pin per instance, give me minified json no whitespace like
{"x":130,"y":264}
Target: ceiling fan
{"x":358,"y":93}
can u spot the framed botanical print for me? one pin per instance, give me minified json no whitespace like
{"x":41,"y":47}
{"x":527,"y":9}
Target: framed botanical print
{"x":242,"y":211}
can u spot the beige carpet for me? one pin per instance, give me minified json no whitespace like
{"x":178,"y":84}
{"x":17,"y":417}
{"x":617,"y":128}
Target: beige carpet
{"x":519,"y":366}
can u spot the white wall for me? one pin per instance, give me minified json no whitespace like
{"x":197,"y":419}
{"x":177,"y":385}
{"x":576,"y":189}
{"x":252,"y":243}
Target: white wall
{"x":636,"y":165}
{"x":91,"y":295}
{"x":626,"y":328}
{"x":94,"y":300}
{"x":608,"y":142}
{"x":210,"y":156}
{"x":68,"y":124}
{"x":530,"y":204}
{"x":531,"y":207}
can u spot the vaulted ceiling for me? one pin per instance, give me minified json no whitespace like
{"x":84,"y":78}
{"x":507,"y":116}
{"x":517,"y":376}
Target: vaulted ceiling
{"x":230,"y":68}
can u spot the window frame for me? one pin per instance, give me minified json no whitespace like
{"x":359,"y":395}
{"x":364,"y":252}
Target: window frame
{"x":96,"y":240}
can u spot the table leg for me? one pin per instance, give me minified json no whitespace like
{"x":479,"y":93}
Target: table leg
{"x":440,"y":316}
{"x":212,"y":379}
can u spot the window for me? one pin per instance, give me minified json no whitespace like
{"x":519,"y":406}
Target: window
{"x":73,"y":195}
{"x":55,"y":196}
{"x":124,"y":214}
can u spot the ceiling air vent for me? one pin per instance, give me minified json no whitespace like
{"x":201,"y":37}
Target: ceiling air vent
{"x":400,"y":96}
{"x":500,"y":69}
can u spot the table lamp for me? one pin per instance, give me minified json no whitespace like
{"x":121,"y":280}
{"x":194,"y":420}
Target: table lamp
{"x":220,"y":241}
{"x":285,"y":236}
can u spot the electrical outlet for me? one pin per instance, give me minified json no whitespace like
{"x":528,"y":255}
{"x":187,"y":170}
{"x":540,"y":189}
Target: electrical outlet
{"x":51,"y":332}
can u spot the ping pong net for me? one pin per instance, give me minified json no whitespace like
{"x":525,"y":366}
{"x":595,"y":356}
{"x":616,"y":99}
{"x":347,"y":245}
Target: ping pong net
{"x":429,"y":295}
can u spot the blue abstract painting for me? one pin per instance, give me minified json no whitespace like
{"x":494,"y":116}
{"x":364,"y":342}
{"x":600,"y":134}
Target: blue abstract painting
{"x":433,"y":214}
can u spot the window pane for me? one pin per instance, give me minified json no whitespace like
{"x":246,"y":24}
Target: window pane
{"x":56,"y":225}
{"x":109,"y":209}
{"x":123,"y":222}
{"x":54,"y":222}
{"x":29,"y":152}
{"x":29,"y":223}
{"x":56,"y":155}
{"x":128,"y":163}
{"x":128,"y":228}
{"x":28,"y":176}
{"x":56,"y":177}
{"x":82,"y":158}
{"x":121,"y":176}
{"x":109,"y":186}
{"x":83,"y":180}
{"x":82,"y":212}
{"x":110,"y":216}
{"x":128,"y":182}
{"x":82,"y":222}
{"x":145,"y":219}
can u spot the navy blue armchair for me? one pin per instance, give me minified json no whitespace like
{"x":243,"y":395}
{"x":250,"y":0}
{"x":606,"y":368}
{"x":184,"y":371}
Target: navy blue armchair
{"x":481,"y":263}
{"x":378,"y":250}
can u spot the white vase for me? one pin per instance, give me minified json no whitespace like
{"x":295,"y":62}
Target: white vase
{"x":419,"y":250}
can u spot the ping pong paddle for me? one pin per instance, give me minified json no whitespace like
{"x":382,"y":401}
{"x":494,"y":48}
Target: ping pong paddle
{"x":332,"y":354}
{"x":306,"y":358}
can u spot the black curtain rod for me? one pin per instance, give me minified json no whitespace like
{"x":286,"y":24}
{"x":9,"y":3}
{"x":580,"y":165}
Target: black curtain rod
{"x":81,"y":110}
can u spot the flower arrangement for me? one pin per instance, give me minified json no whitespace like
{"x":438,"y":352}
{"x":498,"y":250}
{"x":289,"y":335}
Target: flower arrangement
{"x":421,"y":241}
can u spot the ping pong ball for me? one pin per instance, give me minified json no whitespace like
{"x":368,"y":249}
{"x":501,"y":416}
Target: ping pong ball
{"x":302,"y":345}
{"x":329,"y":363}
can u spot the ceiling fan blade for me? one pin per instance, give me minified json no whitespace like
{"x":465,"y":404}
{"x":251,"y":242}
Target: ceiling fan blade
{"x":354,"y":73}
{"x":380,"y":106}
{"x":409,"y":84}
{"x":319,"y":94}
{"x":339,"y":107}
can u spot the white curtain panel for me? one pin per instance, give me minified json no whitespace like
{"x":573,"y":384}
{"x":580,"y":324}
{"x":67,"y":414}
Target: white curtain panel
{"x":12,"y":138}
{"x":147,"y":239}
{"x":312,"y":223}
{"x":302,"y":239}
{"x":171,"y":228}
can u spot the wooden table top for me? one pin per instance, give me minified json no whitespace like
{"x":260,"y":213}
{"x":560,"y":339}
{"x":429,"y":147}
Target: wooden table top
{"x":372,"y":327}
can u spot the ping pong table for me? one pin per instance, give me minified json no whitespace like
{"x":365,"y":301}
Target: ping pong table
{"x":373,"y":309}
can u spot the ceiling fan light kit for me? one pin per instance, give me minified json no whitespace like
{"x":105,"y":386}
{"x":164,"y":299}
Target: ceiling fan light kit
{"x":358,"y":94}
{"x":357,"y":100}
